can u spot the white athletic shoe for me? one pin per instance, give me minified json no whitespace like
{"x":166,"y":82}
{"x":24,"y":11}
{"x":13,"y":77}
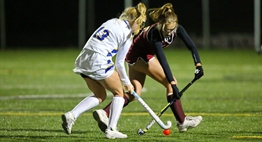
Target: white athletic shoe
{"x":112,"y":134}
{"x":101,"y":118}
{"x":190,"y":122}
{"x":68,"y":121}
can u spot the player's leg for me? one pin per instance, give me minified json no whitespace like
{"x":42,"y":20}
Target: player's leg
{"x":86,"y":104}
{"x":137,"y":79}
{"x":106,"y":110}
{"x":93,"y":100}
{"x":114,"y":85}
{"x":156,"y":72}
{"x":137,"y":76}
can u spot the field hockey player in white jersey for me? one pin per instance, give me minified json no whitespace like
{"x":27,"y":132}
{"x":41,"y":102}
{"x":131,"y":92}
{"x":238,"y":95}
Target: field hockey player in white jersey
{"x":95,"y":65}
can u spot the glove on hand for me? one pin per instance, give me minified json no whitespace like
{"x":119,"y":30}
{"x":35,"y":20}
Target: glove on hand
{"x":199,"y":72}
{"x":175,"y":91}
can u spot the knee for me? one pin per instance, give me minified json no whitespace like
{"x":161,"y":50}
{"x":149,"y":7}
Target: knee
{"x":101,"y":98}
{"x":176,"y":82}
{"x":119,"y":93}
{"x":171,"y":88}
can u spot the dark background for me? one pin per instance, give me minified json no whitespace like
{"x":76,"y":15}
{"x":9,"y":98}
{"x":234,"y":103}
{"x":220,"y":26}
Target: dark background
{"x":42,"y":23}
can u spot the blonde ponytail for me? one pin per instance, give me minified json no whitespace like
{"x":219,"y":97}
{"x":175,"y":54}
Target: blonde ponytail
{"x":136,"y":14}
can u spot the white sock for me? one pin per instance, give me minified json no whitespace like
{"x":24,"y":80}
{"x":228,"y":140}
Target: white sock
{"x":85,"y":105}
{"x":115,"y":111}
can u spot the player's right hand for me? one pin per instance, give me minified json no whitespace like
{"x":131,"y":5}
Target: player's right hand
{"x":199,"y":72}
{"x":129,"y":88}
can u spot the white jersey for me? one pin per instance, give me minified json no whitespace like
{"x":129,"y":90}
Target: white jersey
{"x":114,"y":37}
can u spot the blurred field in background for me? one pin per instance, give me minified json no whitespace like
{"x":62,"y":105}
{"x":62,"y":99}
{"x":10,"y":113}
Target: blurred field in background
{"x":37,"y":86}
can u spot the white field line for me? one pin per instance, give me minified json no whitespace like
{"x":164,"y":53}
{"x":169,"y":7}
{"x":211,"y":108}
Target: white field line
{"x":34,"y":86}
{"x":51,"y":96}
{"x":45,"y":96}
{"x":50,"y":113}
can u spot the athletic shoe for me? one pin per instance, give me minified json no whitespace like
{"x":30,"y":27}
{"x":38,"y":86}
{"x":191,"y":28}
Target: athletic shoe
{"x":68,"y":121}
{"x":112,"y":134}
{"x":190,"y":122}
{"x":101,"y":118}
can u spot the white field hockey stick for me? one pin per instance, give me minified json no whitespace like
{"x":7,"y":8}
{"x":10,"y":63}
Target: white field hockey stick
{"x":155,"y":117}
{"x":143,"y":131}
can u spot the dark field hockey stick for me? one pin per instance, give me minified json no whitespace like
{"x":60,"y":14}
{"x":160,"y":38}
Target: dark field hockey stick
{"x":143,"y":131}
{"x":151,"y":112}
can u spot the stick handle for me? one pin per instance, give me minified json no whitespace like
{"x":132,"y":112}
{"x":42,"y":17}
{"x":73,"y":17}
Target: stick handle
{"x":187,"y":86}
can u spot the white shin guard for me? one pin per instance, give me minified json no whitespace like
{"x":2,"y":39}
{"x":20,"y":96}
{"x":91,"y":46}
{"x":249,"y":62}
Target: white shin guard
{"x":115,"y":111}
{"x":85,"y":105}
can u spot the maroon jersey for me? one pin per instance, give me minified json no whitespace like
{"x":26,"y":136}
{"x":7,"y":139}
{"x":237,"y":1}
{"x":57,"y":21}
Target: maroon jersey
{"x":142,"y":46}
{"x":150,"y":42}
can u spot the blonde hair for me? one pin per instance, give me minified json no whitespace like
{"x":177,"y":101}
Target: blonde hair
{"x":136,"y":14}
{"x":163,"y":15}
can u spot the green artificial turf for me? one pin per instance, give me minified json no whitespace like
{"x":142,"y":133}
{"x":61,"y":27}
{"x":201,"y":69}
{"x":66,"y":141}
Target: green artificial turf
{"x":37,"y":86}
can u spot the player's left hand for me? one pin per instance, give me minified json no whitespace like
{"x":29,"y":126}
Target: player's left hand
{"x":199,"y":72}
{"x":175,"y":91}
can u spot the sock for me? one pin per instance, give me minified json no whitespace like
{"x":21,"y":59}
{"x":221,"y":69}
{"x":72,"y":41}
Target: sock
{"x":85,"y":105}
{"x":177,"y":109}
{"x":107,"y":108}
{"x":116,"y":109}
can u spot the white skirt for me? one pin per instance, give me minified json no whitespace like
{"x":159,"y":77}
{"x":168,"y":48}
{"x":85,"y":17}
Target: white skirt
{"x":94,"y":65}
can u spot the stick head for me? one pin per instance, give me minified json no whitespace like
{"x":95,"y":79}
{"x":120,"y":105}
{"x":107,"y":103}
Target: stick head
{"x":168,"y":125}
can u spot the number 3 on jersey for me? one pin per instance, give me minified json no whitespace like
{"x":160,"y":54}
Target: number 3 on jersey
{"x":101,"y":33}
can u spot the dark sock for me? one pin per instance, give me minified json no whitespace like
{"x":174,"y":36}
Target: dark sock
{"x":177,"y":109}
{"x":107,"y":108}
